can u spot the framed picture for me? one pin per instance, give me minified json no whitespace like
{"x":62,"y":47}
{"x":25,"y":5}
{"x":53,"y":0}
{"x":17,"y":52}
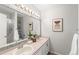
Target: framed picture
{"x":57,"y":25}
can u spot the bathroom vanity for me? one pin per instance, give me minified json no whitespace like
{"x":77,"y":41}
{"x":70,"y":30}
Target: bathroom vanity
{"x":40,"y":47}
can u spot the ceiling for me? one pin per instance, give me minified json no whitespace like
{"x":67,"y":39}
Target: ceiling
{"x":42,"y":7}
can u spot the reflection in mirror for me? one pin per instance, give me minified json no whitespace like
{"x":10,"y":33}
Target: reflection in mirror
{"x":6,"y":26}
{"x":23,"y":22}
{"x":27,"y":20}
{"x":9,"y":21}
{"x":10,"y":28}
{"x":9,"y":31}
{"x":20,"y":27}
{"x":36,"y":26}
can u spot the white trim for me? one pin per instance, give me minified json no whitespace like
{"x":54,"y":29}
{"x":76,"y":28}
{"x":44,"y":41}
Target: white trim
{"x":55,"y":53}
{"x":58,"y":53}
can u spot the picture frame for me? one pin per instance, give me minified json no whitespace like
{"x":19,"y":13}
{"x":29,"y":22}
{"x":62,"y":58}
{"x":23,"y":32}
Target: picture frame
{"x":57,"y":25}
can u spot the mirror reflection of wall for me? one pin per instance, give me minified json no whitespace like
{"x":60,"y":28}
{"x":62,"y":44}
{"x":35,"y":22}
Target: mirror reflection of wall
{"x":36,"y":26}
{"x":3,"y":29}
{"x":10,"y":28}
{"x":6,"y":26}
{"x":20,"y":27}
{"x":10,"y":31}
{"x":26,"y":21}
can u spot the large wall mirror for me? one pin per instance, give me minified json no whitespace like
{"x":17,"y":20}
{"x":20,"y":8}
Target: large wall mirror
{"x":7,"y":17}
{"x":6,"y":26}
{"x":23,"y":22}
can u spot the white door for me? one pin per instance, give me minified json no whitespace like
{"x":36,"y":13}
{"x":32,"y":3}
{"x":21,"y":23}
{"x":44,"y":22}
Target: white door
{"x":3,"y":30}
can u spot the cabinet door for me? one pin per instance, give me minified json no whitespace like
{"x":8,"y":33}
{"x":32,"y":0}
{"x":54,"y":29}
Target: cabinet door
{"x":39,"y":52}
{"x":3,"y":30}
{"x":45,"y":48}
{"x":78,"y":46}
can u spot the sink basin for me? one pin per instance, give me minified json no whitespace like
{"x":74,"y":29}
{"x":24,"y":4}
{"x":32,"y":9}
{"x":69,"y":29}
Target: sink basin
{"x":24,"y":51}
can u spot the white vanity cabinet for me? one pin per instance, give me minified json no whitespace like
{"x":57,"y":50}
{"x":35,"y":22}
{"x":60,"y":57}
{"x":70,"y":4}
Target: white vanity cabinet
{"x":43,"y":50}
{"x":39,"y":52}
{"x":41,"y":47}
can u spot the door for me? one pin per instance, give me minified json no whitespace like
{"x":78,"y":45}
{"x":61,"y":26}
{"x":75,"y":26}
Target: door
{"x":3,"y":30}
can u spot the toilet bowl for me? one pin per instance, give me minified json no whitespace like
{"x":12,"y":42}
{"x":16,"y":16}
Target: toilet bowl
{"x":74,"y":45}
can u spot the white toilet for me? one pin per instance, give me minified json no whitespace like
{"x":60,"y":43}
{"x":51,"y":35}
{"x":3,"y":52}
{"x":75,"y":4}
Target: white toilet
{"x":74,"y":46}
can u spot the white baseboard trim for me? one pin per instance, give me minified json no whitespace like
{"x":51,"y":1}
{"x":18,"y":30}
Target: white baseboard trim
{"x":55,"y":52}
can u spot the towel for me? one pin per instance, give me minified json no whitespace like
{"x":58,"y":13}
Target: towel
{"x":74,"y":46}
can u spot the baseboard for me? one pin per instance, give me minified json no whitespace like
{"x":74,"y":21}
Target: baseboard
{"x":55,"y":53}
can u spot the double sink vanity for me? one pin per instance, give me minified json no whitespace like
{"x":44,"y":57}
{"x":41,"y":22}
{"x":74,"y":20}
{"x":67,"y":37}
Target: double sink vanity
{"x":40,"y":47}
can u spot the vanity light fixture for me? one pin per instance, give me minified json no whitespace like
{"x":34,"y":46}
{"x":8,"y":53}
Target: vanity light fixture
{"x":19,"y":5}
{"x":33,"y":14}
{"x":27,"y":8}
{"x":30,"y":11}
{"x":36,"y":15}
{"x":22,"y":8}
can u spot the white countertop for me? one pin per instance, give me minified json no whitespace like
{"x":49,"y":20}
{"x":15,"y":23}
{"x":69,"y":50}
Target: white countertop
{"x":36,"y":46}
